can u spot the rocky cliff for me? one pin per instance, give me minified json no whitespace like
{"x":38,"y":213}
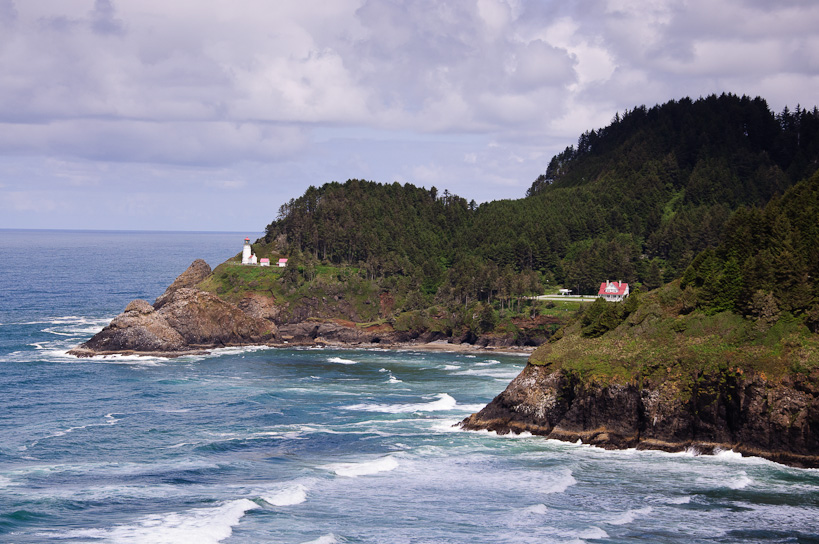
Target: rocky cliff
{"x":183,"y":320}
{"x":750,"y":414}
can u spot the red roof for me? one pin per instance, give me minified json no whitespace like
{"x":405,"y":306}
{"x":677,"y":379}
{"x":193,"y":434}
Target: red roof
{"x":282,"y":260}
{"x":620,"y":287}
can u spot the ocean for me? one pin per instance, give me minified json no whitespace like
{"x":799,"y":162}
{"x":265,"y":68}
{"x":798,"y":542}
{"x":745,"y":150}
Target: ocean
{"x":313,"y":446}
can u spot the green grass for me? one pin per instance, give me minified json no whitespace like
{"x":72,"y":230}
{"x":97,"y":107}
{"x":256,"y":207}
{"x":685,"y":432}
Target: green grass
{"x":232,"y":281}
{"x":656,"y":342}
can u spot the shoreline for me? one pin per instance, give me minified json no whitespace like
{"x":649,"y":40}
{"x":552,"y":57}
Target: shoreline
{"x":435,"y":346}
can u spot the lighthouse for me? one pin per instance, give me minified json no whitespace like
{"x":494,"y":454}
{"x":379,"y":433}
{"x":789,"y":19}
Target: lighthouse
{"x":247,"y":256}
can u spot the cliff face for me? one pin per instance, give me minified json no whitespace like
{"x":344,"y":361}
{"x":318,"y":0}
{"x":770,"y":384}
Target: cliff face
{"x":182,"y":320}
{"x":748,"y":414}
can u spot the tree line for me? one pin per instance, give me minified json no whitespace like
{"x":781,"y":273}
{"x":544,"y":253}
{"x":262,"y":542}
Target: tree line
{"x":635,"y":201}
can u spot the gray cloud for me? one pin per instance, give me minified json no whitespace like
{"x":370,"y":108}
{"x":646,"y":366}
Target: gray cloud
{"x":222,"y":86}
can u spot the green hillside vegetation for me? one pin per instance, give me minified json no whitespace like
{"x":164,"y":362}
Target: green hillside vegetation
{"x":750,"y":304}
{"x":675,"y":191}
{"x":634,"y":201}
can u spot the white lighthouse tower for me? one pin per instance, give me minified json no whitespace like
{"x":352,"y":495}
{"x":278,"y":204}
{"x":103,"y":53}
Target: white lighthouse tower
{"x":247,"y":255}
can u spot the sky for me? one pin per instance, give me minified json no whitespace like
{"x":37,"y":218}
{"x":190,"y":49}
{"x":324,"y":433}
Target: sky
{"x":209,"y":115}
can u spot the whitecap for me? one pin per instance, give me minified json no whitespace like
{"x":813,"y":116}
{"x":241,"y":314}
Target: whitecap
{"x":452,"y":367}
{"x":538,"y":509}
{"x":341,"y":361}
{"x":741,"y":482}
{"x":288,"y":496}
{"x":488,"y":362}
{"x":200,"y":525}
{"x":592,"y":533}
{"x":500,"y":373}
{"x":685,"y":499}
{"x":325,"y":539}
{"x":117,"y":359}
{"x":444,"y":403}
{"x":562,"y":481}
{"x":629,"y":516}
{"x":366,"y":468}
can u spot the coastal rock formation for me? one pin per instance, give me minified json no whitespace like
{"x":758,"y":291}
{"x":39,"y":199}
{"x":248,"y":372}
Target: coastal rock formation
{"x":196,"y":272}
{"x":778,"y":420}
{"x":138,"y":328}
{"x":203,"y":319}
{"x":182,"y":320}
{"x":260,"y":306}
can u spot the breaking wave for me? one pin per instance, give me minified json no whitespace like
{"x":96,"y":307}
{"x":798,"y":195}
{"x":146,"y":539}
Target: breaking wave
{"x":443,"y":403}
{"x":354,"y":470}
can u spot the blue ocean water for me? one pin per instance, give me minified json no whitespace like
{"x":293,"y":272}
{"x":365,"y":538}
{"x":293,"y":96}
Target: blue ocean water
{"x":309,"y":446}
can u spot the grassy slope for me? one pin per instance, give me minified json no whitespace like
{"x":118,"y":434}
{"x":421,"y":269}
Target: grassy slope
{"x":658,"y":342}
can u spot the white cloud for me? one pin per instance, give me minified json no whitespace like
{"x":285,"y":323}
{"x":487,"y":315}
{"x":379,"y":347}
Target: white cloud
{"x":213,"y":87}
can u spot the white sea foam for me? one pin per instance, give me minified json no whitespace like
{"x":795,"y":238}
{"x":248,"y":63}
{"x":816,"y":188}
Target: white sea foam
{"x":325,"y":539}
{"x":736,"y":457}
{"x":500,"y":373}
{"x":629,"y":516}
{"x":341,"y":361}
{"x":488,"y":362}
{"x":559,"y":483}
{"x":443,"y":403}
{"x":353,"y":470}
{"x":109,"y":420}
{"x":117,"y":359}
{"x":685,"y":499}
{"x":538,"y":509}
{"x":288,"y":496}
{"x":200,"y":525}
{"x":740,"y":482}
{"x":452,"y":367}
{"x":592,"y":533}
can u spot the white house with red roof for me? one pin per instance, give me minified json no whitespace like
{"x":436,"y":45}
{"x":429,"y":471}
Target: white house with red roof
{"x":613,"y":291}
{"x":282,"y":263}
{"x":264,"y":261}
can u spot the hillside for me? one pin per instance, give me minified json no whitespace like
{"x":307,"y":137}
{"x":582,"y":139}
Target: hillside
{"x":726,"y":357}
{"x":634,"y":201}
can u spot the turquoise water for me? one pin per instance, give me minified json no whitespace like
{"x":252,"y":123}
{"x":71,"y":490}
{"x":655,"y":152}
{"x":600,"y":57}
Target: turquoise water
{"x":309,"y":446}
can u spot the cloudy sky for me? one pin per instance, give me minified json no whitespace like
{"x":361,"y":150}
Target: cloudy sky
{"x":208,"y":115}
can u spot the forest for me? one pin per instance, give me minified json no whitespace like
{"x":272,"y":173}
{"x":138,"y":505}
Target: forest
{"x":689,"y":188}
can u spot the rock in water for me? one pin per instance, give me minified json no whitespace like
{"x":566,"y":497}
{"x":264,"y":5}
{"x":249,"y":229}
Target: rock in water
{"x":138,"y":328}
{"x":183,"y":319}
{"x":196,"y":272}
{"x":750,"y":414}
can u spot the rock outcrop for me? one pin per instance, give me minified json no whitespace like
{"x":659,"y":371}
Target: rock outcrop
{"x":778,"y":420}
{"x":203,"y":319}
{"x":183,"y":320}
{"x":196,"y":272}
{"x":138,"y":328}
